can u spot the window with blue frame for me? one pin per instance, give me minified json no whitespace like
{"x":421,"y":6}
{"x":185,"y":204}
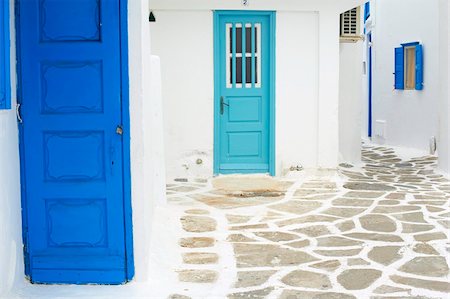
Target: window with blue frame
{"x":5,"y":88}
{"x":409,"y":66}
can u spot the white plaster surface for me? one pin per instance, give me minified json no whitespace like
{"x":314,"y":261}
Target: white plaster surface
{"x":411,"y":116}
{"x":444,"y":134}
{"x":350,"y":101}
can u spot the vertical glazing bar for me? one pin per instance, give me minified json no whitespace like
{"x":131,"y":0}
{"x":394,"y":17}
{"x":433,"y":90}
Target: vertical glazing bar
{"x":233,"y":65}
{"x":244,"y":55}
{"x":253,"y":55}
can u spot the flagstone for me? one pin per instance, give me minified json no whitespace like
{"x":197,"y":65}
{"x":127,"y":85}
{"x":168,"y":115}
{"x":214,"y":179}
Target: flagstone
{"x":307,"y":279}
{"x":358,"y":279}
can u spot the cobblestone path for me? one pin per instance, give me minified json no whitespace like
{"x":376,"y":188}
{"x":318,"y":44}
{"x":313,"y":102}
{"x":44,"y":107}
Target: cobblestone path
{"x":380,"y":231}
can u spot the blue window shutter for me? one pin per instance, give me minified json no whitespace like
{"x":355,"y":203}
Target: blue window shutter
{"x":4,"y":56}
{"x":366,"y":11}
{"x":399,"y":68}
{"x":419,"y":67}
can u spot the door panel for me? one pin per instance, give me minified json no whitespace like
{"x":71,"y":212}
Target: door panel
{"x":243,"y":85}
{"x":71,"y":155}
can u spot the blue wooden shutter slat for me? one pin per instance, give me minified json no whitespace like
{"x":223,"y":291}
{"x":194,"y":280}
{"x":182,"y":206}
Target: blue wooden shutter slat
{"x":399,"y":68}
{"x":419,"y":67}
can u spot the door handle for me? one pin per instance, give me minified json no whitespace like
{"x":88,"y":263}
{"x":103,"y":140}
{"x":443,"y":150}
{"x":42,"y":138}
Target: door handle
{"x":222,"y":104}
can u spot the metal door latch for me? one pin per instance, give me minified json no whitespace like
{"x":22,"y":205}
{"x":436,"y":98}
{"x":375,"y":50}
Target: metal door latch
{"x":119,"y":130}
{"x":19,"y":117}
{"x":222,"y":104}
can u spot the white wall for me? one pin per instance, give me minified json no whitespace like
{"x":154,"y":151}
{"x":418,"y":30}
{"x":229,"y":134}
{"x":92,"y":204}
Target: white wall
{"x":11,"y":257}
{"x":411,"y":116}
{"x":184,"y":41}
{"x":350,"y":101}
{"x":444,"y":136}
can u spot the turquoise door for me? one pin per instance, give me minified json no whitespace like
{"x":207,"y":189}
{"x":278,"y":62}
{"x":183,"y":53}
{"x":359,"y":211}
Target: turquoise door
{"x":244,"y":74}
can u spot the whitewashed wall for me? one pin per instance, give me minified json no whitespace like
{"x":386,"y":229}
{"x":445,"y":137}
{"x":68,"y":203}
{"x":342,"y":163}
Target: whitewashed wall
{"x":412,"y":117}
{"x":351,"y":97}
{"x":444,"y":136}
{"x":11,"y":257}
{"x":307,"y":82}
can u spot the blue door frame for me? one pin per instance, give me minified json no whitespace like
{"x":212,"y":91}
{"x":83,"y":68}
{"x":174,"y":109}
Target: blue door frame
{"x":244,"y":156}
{"x":369,"y":54}
{"x":123,"y":161}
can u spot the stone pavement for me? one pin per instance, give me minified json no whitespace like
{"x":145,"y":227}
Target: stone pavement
{"x":380,"y":231}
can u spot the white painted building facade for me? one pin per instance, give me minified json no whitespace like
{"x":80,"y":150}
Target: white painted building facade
{"x":401,"y":117}
{"x":307,"y":84}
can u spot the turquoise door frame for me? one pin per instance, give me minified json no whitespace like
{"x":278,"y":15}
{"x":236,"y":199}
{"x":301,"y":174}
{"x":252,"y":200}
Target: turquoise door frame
{"x":244,"y":94}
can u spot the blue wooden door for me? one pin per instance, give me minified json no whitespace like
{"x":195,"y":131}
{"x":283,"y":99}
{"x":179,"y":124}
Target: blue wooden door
{"x":243,"y":83}
{"x":71,"y":153}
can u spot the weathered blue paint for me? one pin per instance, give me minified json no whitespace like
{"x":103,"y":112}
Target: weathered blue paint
{"x":5,"y":83}
{"x":75,"y":168}
{"x":369,"y":38}
{"x":399,"y":73}
{"x":244,"y":139}
{"x":419,"y":67}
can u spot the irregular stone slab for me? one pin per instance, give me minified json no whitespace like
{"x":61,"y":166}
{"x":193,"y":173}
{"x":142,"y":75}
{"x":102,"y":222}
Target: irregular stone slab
{"x":252,"y":278}
{"x":200,"y":258}
{"x":298,"y":244}
{"x":313,"y":231}
{"x":250,"y":226}
{"x":178,"y":296}
{"x":292,"y":294}
{"x":306,"y":279}
{"x":395,"y":209}
{"x":378,"y":223}
{"x":249,"y":183}
{"x":411,"y":217}
{"x":434,"y":266}
{"x":358,"y":279}
{"x":258,"y":294}
{"x":197,"y":212}
{"x":430,"y":237}
{"x":183,"y":189}
{"x":198,"y":224}
{"x":197,"y":276}
{"x":307,"y":219}
{"x":319,"y":185}
{"x":422,"y":283}
{"x":239,"y":238}
{"x":357,"y":262}
{"x":361,"y":194}
{"x":346,"y":226}
{"x":369,"y":187}
{"x":385,"y":289}
{"x":329,"y":266}
{"x":238,"y":219}
{"x":425,"y":249}
{"x":388,"y":202}
{"x":409,"y":228}
{"x":375,"y":237}
{"x":307,"y":192}
{"x":338,"y":253}
{"x":385,"y":255}
{"x":277,"y":236}
{"x":296,"y":207}
{"x":230,"y":201}
{"x":336,"y":242}
{"x":196,"y":242}
{"x":352,"y":202}
{"x":261,"y":255}
{"x":343,"y":212}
